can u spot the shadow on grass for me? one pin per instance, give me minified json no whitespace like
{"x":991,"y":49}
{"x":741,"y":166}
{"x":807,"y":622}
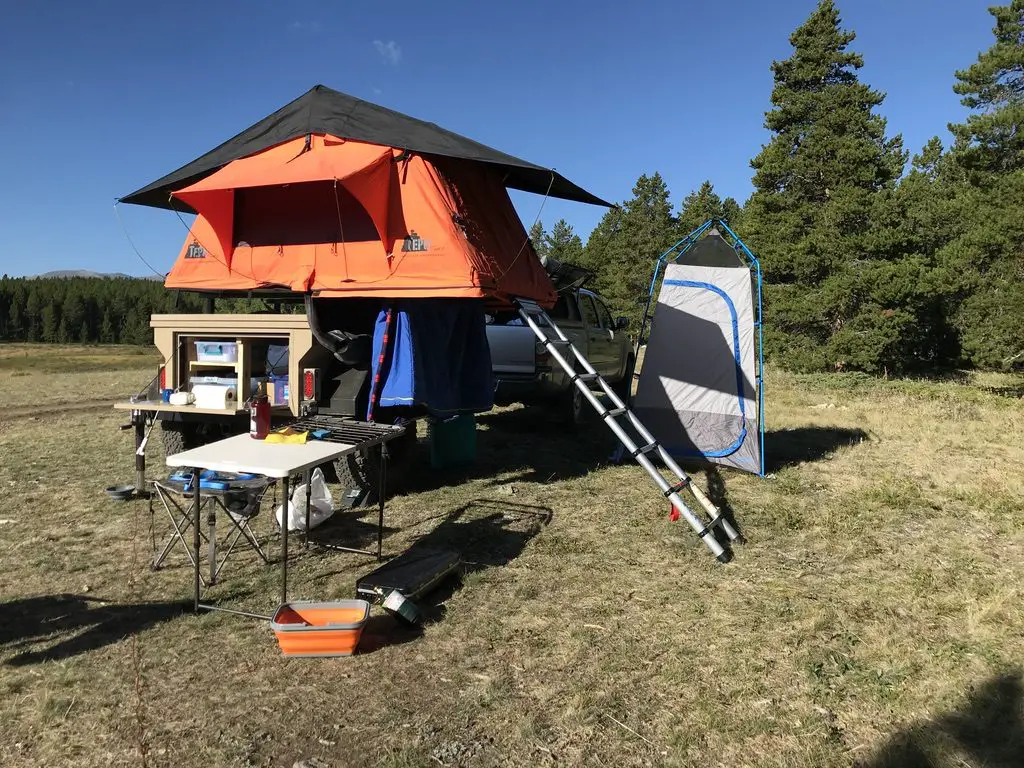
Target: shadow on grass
{"x":786,"y":447}
{"x":486,"y":534}
{"x":525,"y":439}
{"x":988,"y":730}
{"x":1014,"y":391}
{"x":90,"y":622}
{"x":719,"y":496}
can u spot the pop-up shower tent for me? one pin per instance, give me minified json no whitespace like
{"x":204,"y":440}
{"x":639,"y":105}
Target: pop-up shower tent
{"x":700,"y":386}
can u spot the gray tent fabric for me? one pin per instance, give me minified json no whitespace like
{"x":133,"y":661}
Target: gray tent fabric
{"x":697,"y":390}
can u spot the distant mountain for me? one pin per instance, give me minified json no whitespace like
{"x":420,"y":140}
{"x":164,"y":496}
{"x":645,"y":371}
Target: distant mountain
{"x":87,"y":273}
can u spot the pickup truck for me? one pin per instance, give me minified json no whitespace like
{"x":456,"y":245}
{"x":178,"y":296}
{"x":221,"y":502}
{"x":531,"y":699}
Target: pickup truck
{"x":525,"y":373}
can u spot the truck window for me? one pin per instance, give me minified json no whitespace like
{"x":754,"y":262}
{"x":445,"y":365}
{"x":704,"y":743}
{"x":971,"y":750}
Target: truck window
{"x":588,"y":310}
{"x":564,"y":309}
{"x":604,"y":315}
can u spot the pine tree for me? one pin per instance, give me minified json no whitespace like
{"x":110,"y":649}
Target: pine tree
{"x":625,"y":245}
{"x":15,"y":329}
{"x":703,"y":204}
{"x":49,"y":323}
{"x":563,"y":244}
{"x":107,"y":335}
{"x":72,"y":312}
{"x":983,"y":267}
{"x":539,"y":238}
{"x":33,"y":315}
{"x":809,"y":219}
{"x":992,"y":139}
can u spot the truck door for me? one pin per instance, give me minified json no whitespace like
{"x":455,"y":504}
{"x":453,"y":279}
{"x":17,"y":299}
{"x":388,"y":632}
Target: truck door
{"x":599,"y":339}
{"x":618,"y":341}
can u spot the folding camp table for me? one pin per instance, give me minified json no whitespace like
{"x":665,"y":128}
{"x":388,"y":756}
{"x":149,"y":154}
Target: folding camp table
{"x":242,"y":454}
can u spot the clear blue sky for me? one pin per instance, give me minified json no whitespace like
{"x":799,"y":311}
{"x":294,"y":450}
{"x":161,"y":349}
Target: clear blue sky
{"x":98,"y":99}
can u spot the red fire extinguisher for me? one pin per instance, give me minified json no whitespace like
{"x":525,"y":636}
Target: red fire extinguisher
{"x":259,"y":415}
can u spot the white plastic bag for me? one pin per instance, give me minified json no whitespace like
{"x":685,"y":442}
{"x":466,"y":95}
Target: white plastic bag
{"x":320,"y":503}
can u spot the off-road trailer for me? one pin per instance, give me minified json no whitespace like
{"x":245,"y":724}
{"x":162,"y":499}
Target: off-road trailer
{"x":327,"y":370}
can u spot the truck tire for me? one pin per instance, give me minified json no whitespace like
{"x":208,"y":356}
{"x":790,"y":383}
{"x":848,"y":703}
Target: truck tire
{"x":624,"y":387}
{"x":574,"y":408}
{"x":359,"y":473}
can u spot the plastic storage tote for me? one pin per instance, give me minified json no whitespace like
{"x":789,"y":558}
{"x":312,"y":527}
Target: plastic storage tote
{"x":320,"y":629}
{"x":216,"y":351}
{"x":452,"y":442}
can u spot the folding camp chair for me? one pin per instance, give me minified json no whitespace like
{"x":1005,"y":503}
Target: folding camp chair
{"x":240,"y":503}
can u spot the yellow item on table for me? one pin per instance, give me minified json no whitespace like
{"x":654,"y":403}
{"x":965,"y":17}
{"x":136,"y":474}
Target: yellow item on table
{"x":288,"y":436}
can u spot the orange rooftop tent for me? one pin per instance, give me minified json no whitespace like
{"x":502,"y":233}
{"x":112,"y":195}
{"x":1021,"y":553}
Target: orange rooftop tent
{"x":334,"y":196}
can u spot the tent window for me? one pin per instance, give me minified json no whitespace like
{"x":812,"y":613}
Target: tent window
{"x":300,"y":214}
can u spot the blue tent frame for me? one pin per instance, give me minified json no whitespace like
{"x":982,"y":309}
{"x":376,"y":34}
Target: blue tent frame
{"x":674,"y":254}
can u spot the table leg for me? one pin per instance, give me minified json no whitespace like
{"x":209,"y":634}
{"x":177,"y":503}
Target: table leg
{"x":380,"y":497}
{"x":309,"y":495}
{"x":140,"y":453}
{"x":195,"y":533}
{"x":285,"y":492}
{"x":211,"y":544}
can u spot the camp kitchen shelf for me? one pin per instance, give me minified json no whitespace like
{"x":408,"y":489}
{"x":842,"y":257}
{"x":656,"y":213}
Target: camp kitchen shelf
{"x":174,"y":336}
{"x":240,"y":367}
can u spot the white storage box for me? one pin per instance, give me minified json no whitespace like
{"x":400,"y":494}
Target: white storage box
{"x":216,"y":351}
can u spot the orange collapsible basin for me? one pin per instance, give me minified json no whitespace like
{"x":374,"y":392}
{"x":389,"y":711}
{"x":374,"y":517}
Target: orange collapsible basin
{"x":320,"y":629}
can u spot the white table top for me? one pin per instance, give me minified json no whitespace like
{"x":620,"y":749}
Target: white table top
{"x":242,"y":453}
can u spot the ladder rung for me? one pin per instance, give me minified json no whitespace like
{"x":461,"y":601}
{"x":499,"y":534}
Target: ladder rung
{"x":585,"y":377}
{"x":644,"y":449}
{"x":613,"y":413}
{"x":711,"y":526}
{"x":681,"y":485}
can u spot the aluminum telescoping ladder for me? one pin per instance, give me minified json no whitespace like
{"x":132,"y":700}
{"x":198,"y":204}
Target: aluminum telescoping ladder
{"x":531,"y":312}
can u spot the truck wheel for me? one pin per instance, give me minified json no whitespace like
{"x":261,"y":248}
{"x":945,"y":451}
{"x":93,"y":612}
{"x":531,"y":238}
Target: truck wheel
{"x":576,"y":411}
{"x":359,"y":473}
{"x":624,"y":388}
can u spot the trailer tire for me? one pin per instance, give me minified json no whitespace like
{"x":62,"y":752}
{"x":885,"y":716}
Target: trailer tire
{"x":179,"y":436}
{"x":359,"y":473}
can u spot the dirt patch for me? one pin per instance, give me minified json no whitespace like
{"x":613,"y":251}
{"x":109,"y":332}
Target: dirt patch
{"x":51,"y":409}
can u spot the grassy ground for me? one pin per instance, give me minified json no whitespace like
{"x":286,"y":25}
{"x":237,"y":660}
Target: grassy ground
{"x":873,"y":618}
{"x":47,"y":374}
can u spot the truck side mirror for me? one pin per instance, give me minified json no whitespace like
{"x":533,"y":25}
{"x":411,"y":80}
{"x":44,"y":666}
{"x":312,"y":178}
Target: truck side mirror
{"x":621,"y":323}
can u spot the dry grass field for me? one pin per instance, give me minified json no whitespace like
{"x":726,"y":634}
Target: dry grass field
{"x":873,"y":618}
